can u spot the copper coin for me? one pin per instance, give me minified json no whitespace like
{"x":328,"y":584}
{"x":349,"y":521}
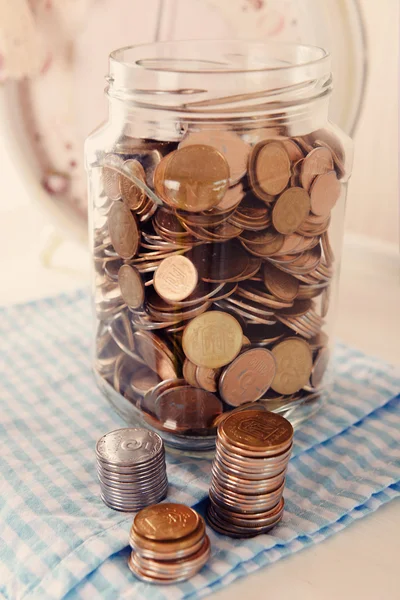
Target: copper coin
{"x":124,"y":232}
{"x":320,"y":365}
{"x":324,"y":193}
{"x":317,"y":162}
{"x":195,"y":179}
{"x":212,"y":339}
{"x":271,"y":165}
{"x":164,"y":522}
{"x":143,"y":380}
{"x":131,"y":286}
{"x":185,"y":408}
{"x":248,"y":377}
{"x":290,"y":210}
{"x":156,"y":354}
{"x":189,"y":373}
{"x":293,"y":365}
{"x":272,"y":243}
{"x":131,"y":193}
{"x":231,"y":199}
{"x":258,"y":431}
{"x":149,"y":401}
{"x":228,"y":143}
{"x":280,"y":284}
{"x":162,"y":549}
{"x":207,"y":378}
{"x":176,"y":278}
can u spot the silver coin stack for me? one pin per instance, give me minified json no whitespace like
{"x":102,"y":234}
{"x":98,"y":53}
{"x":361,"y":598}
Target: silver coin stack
{"x":131,"y":469}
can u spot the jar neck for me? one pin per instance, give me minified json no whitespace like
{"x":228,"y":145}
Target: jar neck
{"x":238,"y":85}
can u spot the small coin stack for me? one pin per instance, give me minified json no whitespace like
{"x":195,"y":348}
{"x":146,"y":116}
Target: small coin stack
{"x":248,"y":473}
{"x":131,"y":469}
{"x":169,"y":543}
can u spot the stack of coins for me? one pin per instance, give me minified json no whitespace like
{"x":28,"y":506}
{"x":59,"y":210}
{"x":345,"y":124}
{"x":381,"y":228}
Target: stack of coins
{"x":213,"y":271}
{"x":169,"y":543}
{"x":131,"y":469}
{"x":248,"y":473}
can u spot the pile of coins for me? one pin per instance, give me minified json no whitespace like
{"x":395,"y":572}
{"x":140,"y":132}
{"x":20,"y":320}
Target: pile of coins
{"x":131,"y":469}
{"x":213,"y":271}
{"x":169,"y":543}
{"x":248,"y":473}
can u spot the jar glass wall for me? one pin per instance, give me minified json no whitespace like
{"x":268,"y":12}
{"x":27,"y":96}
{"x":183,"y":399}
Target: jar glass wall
{"x":217,"y":191}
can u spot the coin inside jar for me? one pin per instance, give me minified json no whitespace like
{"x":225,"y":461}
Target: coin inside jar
{"x":248,"y":377}
{"x":228,"y":143}
{"x":212,"y":339}
{"x":290,"y":210}
{"x":324,"y":193}
{"x":131,"y":286}
{"x":293,"y":365}
{"x":175,"y":279}
{"x":123,"y":230}
{"x":187,"y":408}
{"x":195,"y":178}
{"x":271,"y":165}
{"x":282,"y":285}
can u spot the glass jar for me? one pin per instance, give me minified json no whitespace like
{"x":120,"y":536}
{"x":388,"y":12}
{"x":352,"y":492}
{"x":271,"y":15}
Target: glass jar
{"x":216,"y":197}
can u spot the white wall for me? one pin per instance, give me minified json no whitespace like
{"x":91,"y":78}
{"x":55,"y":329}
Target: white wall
{"x":373,"y":201}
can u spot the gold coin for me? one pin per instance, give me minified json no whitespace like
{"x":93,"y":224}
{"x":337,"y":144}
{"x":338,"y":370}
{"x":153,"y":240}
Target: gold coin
{"x":123,"y":229}
{"x":131,"y":193}
{"x":271,"y":165}
{"x":212,"y":339}
{"x":235,"y":150}
{"x":324,"y":193}
{"x":293,"y":365}
{"x":195,"y":178}
{"x":164,"y":522}
{"x":175,"y":279}
{"x":282,"y":285}
{"x":290,"y":210}
{"x":131,"y":286}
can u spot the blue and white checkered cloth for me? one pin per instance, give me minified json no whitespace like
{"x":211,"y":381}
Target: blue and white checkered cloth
{"x":58,"y":540}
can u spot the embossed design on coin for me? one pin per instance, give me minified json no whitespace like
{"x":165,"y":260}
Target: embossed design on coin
{"x":257,"y":430}
{"x":293,"y":365}
{"x":194,"y":178}
{"x":123,"y":230}
{"x":131,"y":286}
{"x":164,"y":522}
{"x":248,"y":377}
{"x":128,"y":445}
{"x":212,"y":339}
{"x":110,"y":180}
{"x":290,"y":210}
{"x":175,"y":279}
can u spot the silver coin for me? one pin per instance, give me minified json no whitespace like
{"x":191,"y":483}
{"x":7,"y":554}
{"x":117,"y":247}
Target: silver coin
{"x":134,"y":492}
{"x":128,"y":446}
{"x":166,"y":555}
{"x":133,"y":507}
{"x":151,"y":476}
{"x":233,"y":469}
{"x":142,"y":469}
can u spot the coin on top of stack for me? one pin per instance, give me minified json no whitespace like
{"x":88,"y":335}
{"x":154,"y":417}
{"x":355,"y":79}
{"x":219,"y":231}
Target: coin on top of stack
{"x":169,"y":543}
{"x":131,"y":469}
{"x":248,"y":473}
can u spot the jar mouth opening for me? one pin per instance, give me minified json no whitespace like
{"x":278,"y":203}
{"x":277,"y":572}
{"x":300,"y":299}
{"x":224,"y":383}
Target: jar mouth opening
{"x":217,"y":57}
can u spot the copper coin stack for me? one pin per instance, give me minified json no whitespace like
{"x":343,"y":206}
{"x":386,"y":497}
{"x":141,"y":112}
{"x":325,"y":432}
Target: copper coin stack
{"x":213,"y":271}
{"x":131,"y":468}
{"x":248,"y":473}
{"x":169,"y":543}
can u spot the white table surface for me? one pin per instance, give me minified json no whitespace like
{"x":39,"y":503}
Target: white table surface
{"x":360,"y":562}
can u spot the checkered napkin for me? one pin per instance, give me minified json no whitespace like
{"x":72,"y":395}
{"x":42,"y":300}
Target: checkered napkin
{"x":58,"y":540}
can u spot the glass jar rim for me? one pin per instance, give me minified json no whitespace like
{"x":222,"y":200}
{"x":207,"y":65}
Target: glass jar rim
{"x":307,"y":56}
